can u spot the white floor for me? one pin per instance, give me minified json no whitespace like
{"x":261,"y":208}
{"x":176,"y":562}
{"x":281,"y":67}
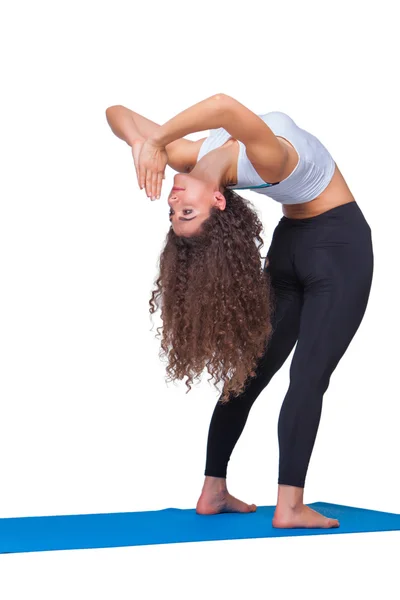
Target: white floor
{"x":354,"y":566}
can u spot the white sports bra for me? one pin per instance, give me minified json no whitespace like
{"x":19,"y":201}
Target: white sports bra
{"x":308,"y":179}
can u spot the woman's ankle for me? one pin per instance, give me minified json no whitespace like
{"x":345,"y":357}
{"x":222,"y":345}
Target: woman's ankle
{"x":214,"y":484}
{"x":290,"y":496}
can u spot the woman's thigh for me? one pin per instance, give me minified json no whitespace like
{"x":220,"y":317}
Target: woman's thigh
{"x":335,"y":266}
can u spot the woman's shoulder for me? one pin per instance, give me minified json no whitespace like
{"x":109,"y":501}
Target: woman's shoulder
{"x":276,"y":117}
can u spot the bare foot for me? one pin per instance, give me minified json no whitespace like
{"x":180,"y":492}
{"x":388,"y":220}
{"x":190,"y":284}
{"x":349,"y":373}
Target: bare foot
{"x":301,"y":517}
{"x":221,"y":502}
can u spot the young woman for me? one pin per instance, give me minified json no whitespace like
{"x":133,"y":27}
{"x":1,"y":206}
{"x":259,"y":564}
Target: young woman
{"x":221,"y":310}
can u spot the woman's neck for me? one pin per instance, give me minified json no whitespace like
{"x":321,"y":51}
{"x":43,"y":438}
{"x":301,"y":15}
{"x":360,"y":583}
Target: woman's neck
{"x":219,"y":166}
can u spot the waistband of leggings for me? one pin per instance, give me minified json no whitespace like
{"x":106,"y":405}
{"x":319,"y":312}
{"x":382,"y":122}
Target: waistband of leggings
{"x":348,"y":206}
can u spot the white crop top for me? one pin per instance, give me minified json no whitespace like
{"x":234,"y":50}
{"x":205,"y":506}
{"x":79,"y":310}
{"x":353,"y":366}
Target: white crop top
{"x":308,"y":179}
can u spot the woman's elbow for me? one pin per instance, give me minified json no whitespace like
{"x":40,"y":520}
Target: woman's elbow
{"x":222,"y":98}
{"x":221,"y":104}
{"x":111,"y":109}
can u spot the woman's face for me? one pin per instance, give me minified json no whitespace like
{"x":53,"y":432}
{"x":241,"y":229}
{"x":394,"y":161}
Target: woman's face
{"x":190,"y":201}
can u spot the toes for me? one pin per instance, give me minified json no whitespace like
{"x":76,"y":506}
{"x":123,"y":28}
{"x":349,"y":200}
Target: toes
{"x":334,"y":523}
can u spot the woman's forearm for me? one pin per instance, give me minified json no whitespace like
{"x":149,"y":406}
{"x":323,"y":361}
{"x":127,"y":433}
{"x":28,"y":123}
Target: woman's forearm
{"x":122,"y":124}
{"x":211,"y":113}
{"x":130,"y":126}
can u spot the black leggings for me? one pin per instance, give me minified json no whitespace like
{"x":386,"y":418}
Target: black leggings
{"x":321,"y":273}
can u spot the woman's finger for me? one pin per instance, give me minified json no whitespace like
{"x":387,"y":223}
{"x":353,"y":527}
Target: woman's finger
{"x":142,"y":176}
{"x":154,"y":186}
{"x":148,"y":182}
{"x":160,"y":178}
{"x":137,"y":172}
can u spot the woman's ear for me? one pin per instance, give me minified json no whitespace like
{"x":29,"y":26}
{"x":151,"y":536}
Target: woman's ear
{"x":219,"y":200}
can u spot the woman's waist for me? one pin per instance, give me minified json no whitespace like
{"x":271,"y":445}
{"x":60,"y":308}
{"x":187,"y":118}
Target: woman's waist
{"x":335,"y":194}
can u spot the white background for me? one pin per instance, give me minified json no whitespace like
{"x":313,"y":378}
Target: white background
{"x":87,"y":422}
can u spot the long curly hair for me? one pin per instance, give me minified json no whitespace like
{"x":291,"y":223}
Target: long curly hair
{"x":216,"y":299}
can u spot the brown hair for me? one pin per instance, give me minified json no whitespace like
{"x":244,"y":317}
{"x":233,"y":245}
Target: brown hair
{"x":216,"y":300}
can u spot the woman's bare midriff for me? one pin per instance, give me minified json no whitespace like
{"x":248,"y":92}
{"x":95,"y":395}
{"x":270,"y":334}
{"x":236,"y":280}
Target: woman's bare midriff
{"x":336,"y":194}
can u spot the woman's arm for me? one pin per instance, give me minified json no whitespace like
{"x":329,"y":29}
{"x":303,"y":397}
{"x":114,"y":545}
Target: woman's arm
{"x":130,"y":126}
{"x":262,"y":146}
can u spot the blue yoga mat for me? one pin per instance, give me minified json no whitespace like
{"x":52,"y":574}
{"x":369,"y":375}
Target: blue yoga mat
{"x":169,"y":526}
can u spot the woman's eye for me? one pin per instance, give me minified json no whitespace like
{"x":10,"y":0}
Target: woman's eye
{"x":187,"y":211}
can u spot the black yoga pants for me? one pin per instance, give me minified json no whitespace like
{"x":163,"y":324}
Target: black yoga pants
{"x":321,"y":273}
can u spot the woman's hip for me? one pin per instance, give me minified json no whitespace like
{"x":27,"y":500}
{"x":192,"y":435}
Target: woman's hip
{"x":339,"y":238}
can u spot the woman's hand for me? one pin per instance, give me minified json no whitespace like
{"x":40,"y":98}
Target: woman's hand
{"x":152,"y":162}
{"x":136,"y":149}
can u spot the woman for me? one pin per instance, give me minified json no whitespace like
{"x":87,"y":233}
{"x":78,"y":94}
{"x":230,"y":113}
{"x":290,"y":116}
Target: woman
{"x":222,"y":311}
